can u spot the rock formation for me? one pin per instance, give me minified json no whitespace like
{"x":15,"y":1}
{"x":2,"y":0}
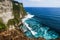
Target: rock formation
{"x":5,"y":6}
{"x":11,"y":13}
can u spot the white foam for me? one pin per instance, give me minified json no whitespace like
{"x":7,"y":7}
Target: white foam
{"x":28,"y":16}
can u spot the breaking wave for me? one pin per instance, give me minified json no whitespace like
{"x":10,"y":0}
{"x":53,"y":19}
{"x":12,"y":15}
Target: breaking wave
{"x":33,"y":29}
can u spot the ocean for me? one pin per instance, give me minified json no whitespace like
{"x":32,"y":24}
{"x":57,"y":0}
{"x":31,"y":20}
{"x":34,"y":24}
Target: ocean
{"x":47,"y":16}
{"x":41,"y":22}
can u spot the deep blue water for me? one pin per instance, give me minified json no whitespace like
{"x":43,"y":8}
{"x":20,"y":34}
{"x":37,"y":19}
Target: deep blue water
{"x":47,"y":16}
{"x":45,"y":23}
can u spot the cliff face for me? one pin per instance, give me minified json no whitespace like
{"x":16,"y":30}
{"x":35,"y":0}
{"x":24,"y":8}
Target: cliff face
{"x":5,"y":12}
{"x":11,"y":13}
{"x":5,"y":9}
{"x":5,"y":6}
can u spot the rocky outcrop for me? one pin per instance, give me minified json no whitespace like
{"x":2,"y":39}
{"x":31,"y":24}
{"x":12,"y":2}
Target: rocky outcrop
{"x":5,"y":10}
{"x":11,"y":13}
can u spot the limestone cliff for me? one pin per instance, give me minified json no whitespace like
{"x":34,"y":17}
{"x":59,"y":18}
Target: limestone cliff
{"x":11,"y":13}
{"x":5,"y":13}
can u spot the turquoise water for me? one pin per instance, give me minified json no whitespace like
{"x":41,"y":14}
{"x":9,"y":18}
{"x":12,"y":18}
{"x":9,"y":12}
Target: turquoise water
{"x":42,"y":31}
{"x":46,"y":23}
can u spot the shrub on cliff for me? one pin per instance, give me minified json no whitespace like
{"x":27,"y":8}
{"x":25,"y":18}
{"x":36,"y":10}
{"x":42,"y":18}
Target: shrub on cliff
{"x":2,"y":25}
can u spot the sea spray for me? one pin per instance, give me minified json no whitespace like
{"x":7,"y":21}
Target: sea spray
{"x":34,"y":29}
{"x":28,"y":16}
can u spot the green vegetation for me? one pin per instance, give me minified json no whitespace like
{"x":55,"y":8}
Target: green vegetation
{"x":12,"y":22}
{"x":16,"y":10}
{"x":23,"y":12}
{"x":2,"y":25}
